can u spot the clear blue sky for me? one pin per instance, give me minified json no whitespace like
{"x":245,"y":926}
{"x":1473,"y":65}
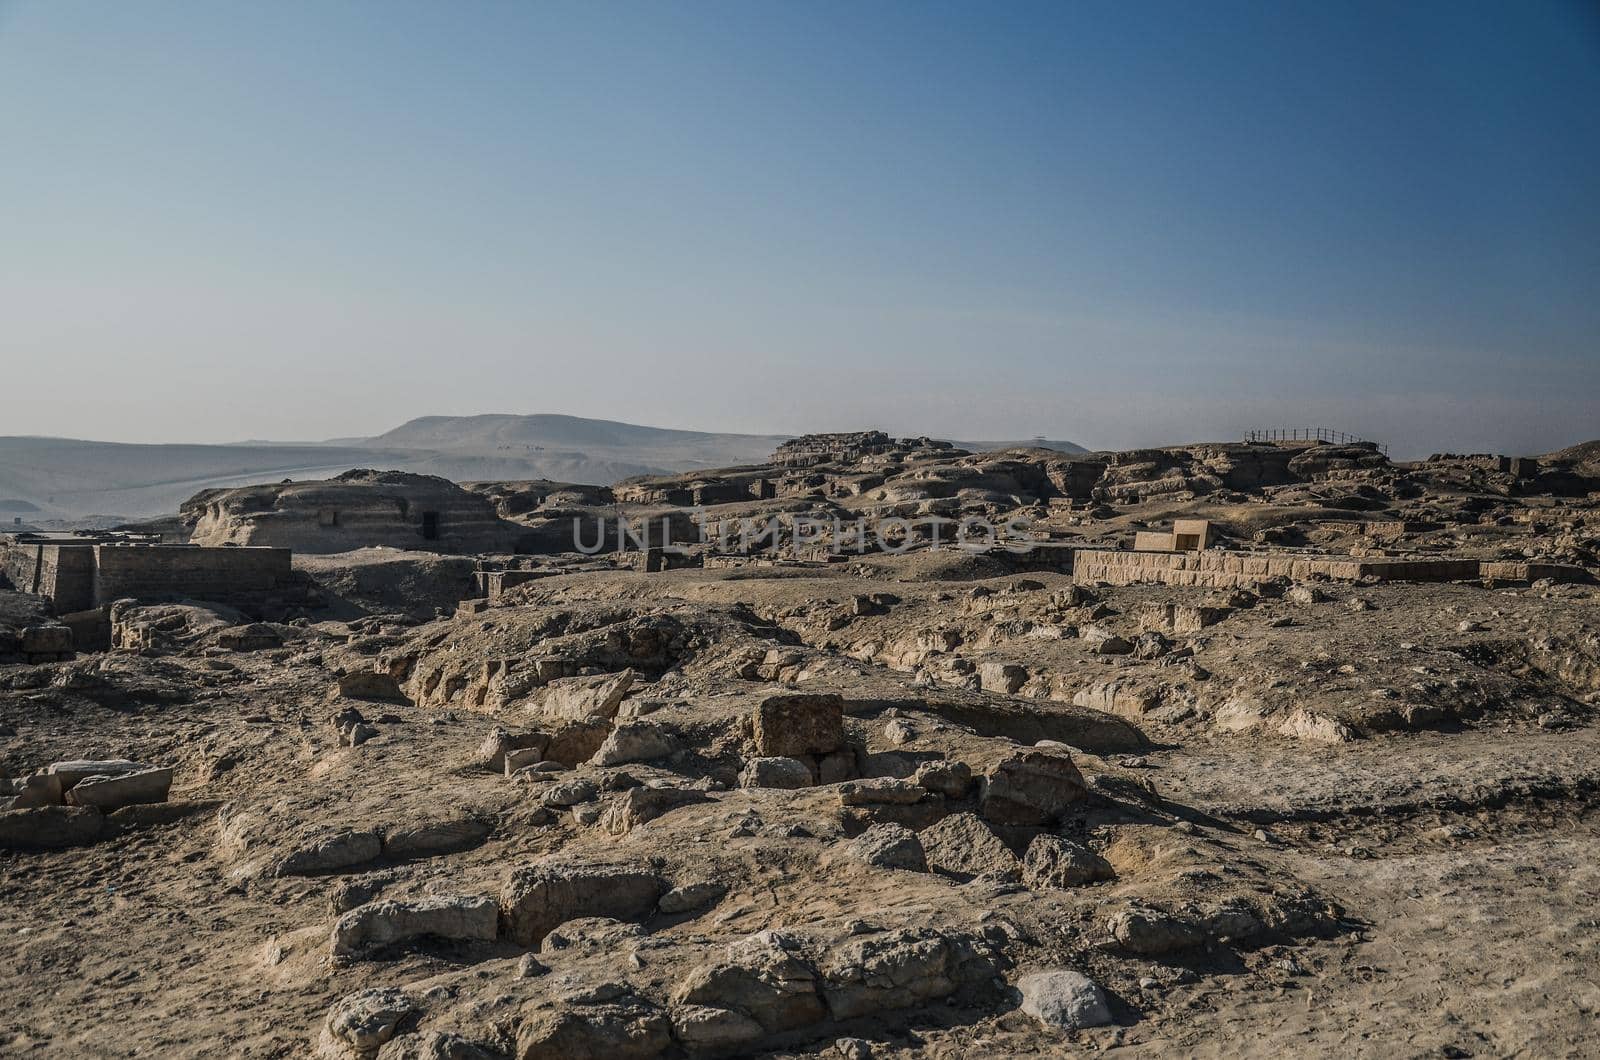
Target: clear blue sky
{"x":1119,"y":223}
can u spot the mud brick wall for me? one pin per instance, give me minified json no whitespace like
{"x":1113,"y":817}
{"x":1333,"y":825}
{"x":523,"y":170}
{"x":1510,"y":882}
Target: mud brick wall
{"x":65,"y":574}
{"x":216,"y":574}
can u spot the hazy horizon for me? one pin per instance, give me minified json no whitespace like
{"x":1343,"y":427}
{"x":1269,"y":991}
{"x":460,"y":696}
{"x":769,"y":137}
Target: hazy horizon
{"x":1116,"y":225}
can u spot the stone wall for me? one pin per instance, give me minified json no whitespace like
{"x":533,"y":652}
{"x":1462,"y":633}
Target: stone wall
{"x":64,"y":573}
{"x":219,"y":574}
{"x":1217,"y":569}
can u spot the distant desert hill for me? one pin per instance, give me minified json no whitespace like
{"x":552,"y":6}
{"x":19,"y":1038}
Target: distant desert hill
{"x":65,"y":478}
{"x":602,"y":440}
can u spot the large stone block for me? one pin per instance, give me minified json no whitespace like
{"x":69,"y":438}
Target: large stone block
{"x":124,"y":789}
{"x":963,"y":846}
{"x":1031,"y":788}
{"x":379,"y":925}
{"x":583,"y":698}
{"x":794,"y":724}
{"x":540,"y":897}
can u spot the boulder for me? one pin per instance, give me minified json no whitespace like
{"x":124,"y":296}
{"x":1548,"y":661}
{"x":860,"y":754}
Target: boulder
{"x":358,"y":1024}
{"x":761,"y":977}
{"x":877,"y":791}
{"x":775,"y":773}
{"x":1102,"y":641}
{"x":635,"y":741}
{"x":1064,"y":999}
{"x":256,"y":636}
{"x":1304,"y":594}
{"x":537,"y":898}
{"x":577,"y":741}
{"x":703,"y":1029}
{"x":329,"y":850}
{"x":639,"y":805}
{"x":582,"y":698}
{"x":427,"y":839}
{"x":795,"y":724}
{"x":1152,"y":933}
{"x":953,"y":780}
{"x":46,"y":640}
{"x":492,"y":752}
{"x":888,"y":846}
{"x":963,"y":846}
{"x":72,"y":772}
{"x":592,"y":934}
{"x":1031,"y":788}
{"x":629,"y":1028}
{"x":690,"y":897}
{"x":435,"y":1045}
{"x":899,"y":732}
{"x":1004,"y":678}
{"x":122,"y":789}
{"x":378,"y":925}
{"x":900,"y":969}
{"x":519,"y":758}
{"x":40,"y":789}
{"x":1052,"y":861}
{"x":571,"y":793}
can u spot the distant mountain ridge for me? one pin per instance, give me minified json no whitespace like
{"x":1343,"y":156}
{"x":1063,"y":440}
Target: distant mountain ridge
{"x":68,"y":478}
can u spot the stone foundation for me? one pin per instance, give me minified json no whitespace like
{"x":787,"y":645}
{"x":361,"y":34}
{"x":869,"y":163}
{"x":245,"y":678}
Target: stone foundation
{"x":1217,"y":569}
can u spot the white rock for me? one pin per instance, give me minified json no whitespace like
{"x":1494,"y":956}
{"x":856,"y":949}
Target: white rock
{"x":1064,"y":999}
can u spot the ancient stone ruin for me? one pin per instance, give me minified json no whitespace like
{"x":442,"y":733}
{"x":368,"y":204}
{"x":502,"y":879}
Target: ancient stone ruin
{"x":881,"y":748}
{"x":358,"y":509}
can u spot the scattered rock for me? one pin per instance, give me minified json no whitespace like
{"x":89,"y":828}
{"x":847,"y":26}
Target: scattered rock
{"x":640,"y":805}
{"x":785,"y":773}
{"x":690,"y":897}
{"x":635,"y":741}
{"x":380,"y":925}
{"x":1052,"y":861}
{"x":1031,"y":788}
{"x":888,"y":846}
{"x":963,"y":846}
{"x":535,"y":899}
{"x":1064,"y":999}
{"x":585,"y":698}
{"x":952,"y":779}
{"x":359,"y":1024}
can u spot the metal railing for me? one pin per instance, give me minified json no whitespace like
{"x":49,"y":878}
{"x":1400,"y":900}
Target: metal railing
{"x":1312,"y":434}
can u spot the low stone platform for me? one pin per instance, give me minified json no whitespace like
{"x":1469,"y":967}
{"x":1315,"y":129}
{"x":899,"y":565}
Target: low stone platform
{"x":1217,"y":569}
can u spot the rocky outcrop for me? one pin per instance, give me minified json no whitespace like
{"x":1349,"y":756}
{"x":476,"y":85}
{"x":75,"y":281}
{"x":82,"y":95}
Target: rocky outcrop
{"x":538,"y":898}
